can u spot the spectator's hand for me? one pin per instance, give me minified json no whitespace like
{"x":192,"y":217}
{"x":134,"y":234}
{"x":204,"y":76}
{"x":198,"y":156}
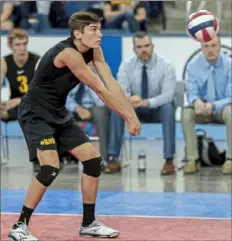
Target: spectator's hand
{"x":200,"y":107}
{"x":209,"y":108}
{"x":145,"y":103}
{"x":12,"y":103}
{"x":3,"y":111}
{"x":135,"y":101}
{"x":3,"y":106}
{"x":133,"y":126}
{"x":140,"y":15}
{"x":83,"y":113}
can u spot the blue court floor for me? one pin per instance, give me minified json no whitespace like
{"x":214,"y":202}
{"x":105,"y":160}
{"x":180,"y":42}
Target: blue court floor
{"x":197,"y":205}
{"x":206,"y":194}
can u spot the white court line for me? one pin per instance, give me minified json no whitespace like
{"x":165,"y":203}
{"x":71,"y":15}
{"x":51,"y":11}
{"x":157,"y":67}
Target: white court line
{"x":121,"y":216}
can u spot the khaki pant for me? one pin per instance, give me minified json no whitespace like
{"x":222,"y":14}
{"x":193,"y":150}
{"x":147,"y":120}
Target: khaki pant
{"x":189,"y":118}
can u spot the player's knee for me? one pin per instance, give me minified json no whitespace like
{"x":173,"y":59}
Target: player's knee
{"x":92,"y":167}
{"x":47,"y":175}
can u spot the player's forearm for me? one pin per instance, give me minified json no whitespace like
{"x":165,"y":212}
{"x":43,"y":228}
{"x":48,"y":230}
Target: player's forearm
{"x":117,"y":90}
{"x":125,"y":101}
{"x":112,"y":101}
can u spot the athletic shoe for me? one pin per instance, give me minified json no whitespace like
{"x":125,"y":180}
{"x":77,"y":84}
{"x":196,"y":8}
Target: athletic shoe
{"x":21,"y":233}
{"x":96,"y":229}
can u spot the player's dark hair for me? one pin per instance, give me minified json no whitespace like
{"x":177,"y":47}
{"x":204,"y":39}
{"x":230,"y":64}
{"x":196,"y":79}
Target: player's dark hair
{"x":79,"y":20}
{"x":140,"y":34}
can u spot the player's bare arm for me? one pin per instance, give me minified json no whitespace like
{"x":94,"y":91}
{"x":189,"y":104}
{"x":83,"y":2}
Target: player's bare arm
{"x":3,"y":73}
{"x":75,"y":62}
{"x":110,"y":83}
{"x":12,"y":102}
{"x":3,"y":69}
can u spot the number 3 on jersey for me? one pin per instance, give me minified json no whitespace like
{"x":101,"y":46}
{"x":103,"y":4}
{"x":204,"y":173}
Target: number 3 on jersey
{"x":23,"y":86}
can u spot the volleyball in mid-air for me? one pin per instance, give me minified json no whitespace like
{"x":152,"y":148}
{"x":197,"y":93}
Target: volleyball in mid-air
{"x":202,"y":26}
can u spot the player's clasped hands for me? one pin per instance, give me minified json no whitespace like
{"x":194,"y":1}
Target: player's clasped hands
{"x":133,"y":126}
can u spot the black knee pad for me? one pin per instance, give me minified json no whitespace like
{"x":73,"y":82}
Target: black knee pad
{"x":92,"y":167}
{"x":47,"y":175}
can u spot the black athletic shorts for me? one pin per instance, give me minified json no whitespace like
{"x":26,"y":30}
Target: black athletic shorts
{"x":45,"y":131}
{"x":13,"y":114}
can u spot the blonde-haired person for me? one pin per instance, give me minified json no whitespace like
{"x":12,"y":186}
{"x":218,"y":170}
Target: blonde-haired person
{"x":18,"y":68}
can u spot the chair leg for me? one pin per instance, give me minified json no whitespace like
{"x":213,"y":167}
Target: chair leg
{"x":3,"y":149}
{"x":7,"y":142}
{"x":125,"y":151}
{"x":130,"y":146}
{"x":124,"y":156}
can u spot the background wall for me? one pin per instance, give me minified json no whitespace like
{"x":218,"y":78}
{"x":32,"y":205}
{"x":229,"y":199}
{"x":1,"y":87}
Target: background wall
{"x":178,"y":49}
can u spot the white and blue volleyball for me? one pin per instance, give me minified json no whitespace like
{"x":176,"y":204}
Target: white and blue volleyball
{"x":202,"y":26}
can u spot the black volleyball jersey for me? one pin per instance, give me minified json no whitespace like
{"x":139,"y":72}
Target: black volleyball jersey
{"x":51,"y":85}
{"x":19,"y":78}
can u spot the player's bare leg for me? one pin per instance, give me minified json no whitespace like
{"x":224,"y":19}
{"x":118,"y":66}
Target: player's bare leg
{"x":49,"y":162}
{"x":92,"y":162}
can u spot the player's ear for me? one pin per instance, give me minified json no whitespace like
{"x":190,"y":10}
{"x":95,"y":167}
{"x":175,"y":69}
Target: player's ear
{"x":77,"y":34}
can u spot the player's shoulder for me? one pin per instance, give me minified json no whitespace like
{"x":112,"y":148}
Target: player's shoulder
{"x":7,"y":61}
{"x":65,"y":43}
{"x":3,"y":64}
{"x":7,"y":57}
{"x":34,"y":55}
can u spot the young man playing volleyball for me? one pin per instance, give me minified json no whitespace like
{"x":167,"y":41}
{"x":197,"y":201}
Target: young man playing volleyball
{"x":50,"y":130}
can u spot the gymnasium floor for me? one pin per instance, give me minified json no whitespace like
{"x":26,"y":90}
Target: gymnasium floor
{"x":143,"y":206}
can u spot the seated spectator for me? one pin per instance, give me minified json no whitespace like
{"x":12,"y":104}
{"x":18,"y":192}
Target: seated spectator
{"x":60,"y":11}
{"x":115,"y":15}
{"x":57,"y":16}
{"x":149,"y":81}
{"x":19,"y":14}
{"x":18,"y":68}
{"x":87,"y":106}
{"x":42,"y":13}
{"x":209,"y":100}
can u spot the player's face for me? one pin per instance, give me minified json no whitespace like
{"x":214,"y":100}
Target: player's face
{"x":19,"y":48}
{"x":211,"y":49}
{"x":92,"y":35}
{"x":143,"y":48}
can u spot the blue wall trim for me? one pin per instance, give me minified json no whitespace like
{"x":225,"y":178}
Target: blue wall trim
{"x":217,"y":132}
{"x":112,"y":48}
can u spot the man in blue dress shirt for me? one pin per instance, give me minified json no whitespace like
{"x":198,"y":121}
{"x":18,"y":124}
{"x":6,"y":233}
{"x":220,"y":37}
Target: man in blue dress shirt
{"x":209,"y":99}
{"x":149,"y":81}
